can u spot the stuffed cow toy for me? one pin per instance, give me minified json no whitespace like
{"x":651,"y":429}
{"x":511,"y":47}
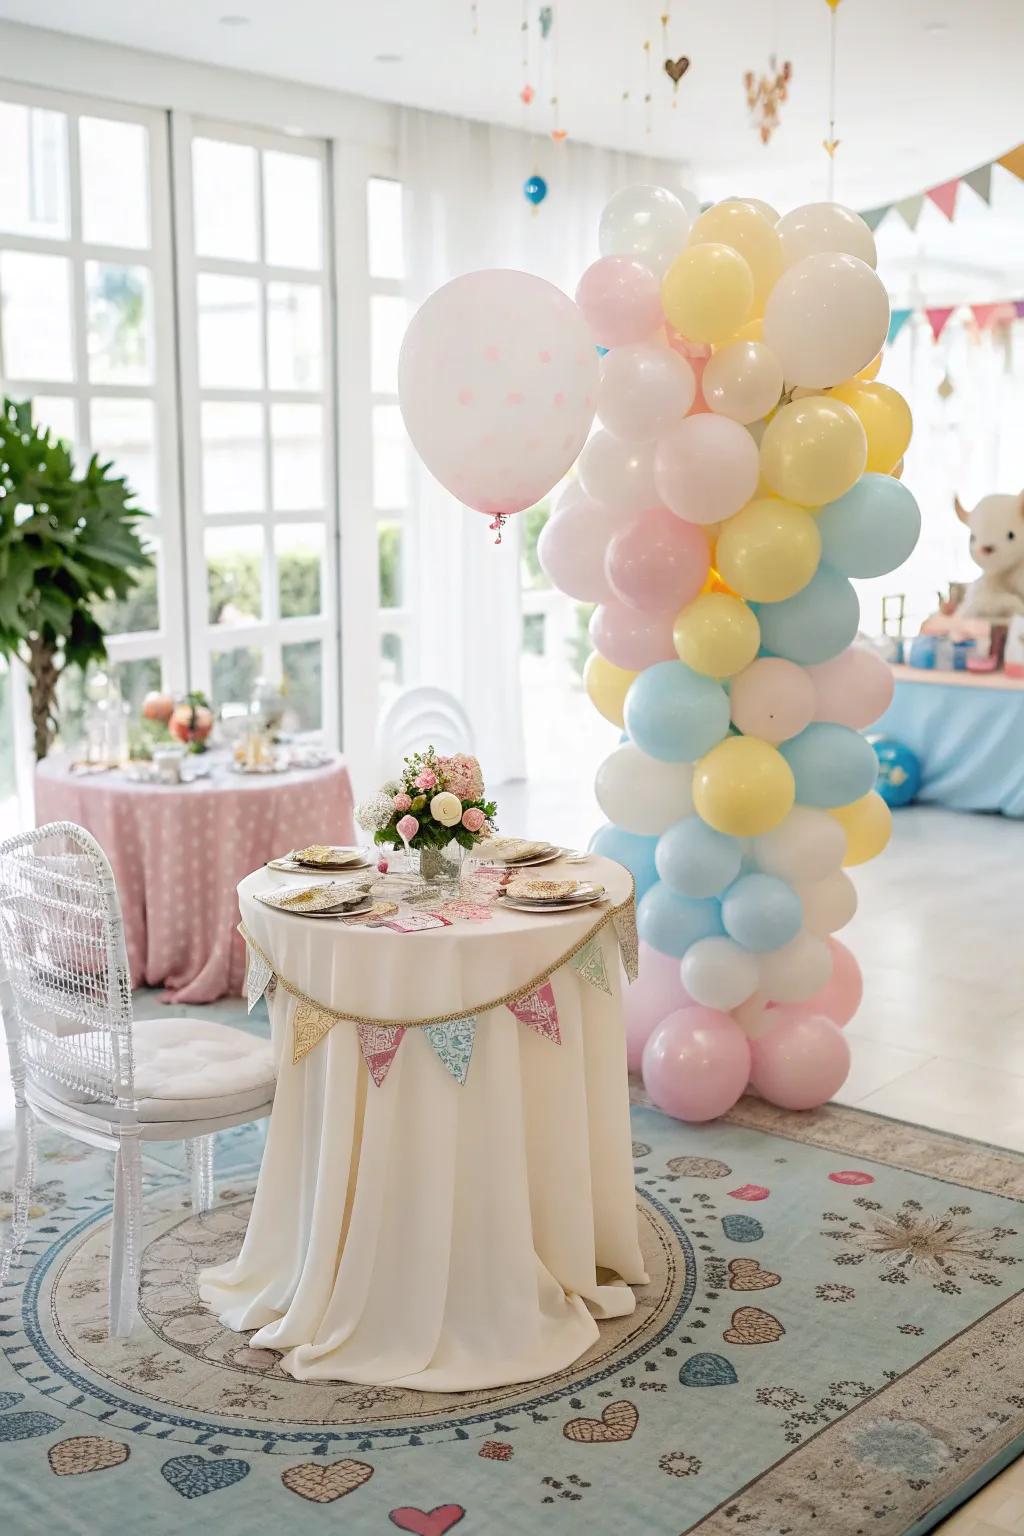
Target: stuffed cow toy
{"x":997,"y":545}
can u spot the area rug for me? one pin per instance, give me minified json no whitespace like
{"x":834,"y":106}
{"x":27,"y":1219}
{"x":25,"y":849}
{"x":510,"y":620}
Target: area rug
{"x":830,"y":1344}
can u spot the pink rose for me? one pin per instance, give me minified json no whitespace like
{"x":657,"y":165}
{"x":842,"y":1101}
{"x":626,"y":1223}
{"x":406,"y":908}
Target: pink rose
{"x":462,"y":775}
{"x":401,"y":802}
{"x":473,"y":819}
{"x":407,"y":828}
{"x":426,"y":779}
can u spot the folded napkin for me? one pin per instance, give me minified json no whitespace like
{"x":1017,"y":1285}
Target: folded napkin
{"x":334,"y":895}
{"x":325,"y":853}
{"x":512,"y":850}
{"x":542,"y":890}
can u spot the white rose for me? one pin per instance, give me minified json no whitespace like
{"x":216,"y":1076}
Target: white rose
{"x":447,"y":809}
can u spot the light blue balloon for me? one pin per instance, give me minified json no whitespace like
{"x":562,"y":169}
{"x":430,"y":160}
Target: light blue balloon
{"x":695,"y":860}
{"x":671,"y":923}
{"x":675,"y":714}
{"x":831,"y":764}
{"x":761,"y":912}
{"x":636,"y":853}
{"x":872,"y":529}
{"x":816,"y":624}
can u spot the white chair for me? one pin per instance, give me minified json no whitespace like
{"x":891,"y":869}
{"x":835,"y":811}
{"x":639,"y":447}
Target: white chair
{"x":80,"y":1064}
{"x":419,"y":718}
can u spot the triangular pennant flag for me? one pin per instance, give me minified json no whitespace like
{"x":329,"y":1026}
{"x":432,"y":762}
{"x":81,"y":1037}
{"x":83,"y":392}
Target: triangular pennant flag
{"x":258,"y":973}
{"x":309,"y":1025}
{"x":984,"y":314}
{"x":538,"y":1011}
{"x":909,"y":209}
{"x":980,"y":181}
{"x":938,"y":318}
{"x":1018,"y":308}
{"x":873,"y":216}
{"x":944,"y":196}
{"x":588,"y":963}
{"x":624,"y":923}
{"x":452,"y":1044}
{"x":1014,"y":161}
{"x":897,"y":320}
{"x":379,"y":1044}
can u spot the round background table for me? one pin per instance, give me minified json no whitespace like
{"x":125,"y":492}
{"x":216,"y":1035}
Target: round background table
{"x":179,"y":851}
{"x":446,"y":1198}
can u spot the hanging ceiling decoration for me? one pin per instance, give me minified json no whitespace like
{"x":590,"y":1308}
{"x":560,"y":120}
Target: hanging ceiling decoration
{"x":765,"y":95}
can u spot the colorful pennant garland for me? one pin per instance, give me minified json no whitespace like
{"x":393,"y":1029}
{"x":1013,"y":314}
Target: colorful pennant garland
{"x":538,"y":1011}
{"x":452,"y":1044}
{"x":588,"y":963}
{"x":309,"y":1026}
{"x":379,"y":1044}
{"x":987,"y":316}
{"x":258,"y":976}
{"x":624,"y":923}
{"x":897,"y":320}
{"x":944,"y":196}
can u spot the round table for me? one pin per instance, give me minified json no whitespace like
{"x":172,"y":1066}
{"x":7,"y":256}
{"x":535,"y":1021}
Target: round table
{"x":446,"y":1198}
{"x":178,"y":852}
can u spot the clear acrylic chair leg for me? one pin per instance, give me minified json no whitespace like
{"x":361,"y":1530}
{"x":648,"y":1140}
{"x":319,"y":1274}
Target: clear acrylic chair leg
{"x":200,"y":1161}
{"x":126,"y":1237}
{"x":24,"y":1177}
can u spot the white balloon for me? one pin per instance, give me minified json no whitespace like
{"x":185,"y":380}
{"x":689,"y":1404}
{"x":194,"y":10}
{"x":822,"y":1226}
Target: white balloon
{"x":742,"y":379}
{"x":819,"y":227}
{"x":829,"y":904}
{"x":804,"y":847}
{"x":754,"y":1016}
{"x":644,"y":221}
{"x":770,"y":213}
{"x":644,"y":390}
{"x":573,"y":543}
{"x":797,"y":970}
{"x":719,"y":973}
{"x":640,"y":794}
{"x":619,"y":475}
{"x":826,"y":318}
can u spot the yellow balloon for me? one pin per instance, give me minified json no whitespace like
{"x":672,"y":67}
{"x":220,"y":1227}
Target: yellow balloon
{"x":743,"y":787}
{"x":769,"y":550}
{"x":897,"y":472}
{"x":813,"y":450}
{"x":752,"y":331}
{"x":707,"y":292}
{"x":607,"y":686}
{"x":717,"y":634}
{"x":746,"y":229}
{"x":885,"y":417}
{"x":867,"y":823}
{"x":713,"y":583}
{"x":871,"y":371}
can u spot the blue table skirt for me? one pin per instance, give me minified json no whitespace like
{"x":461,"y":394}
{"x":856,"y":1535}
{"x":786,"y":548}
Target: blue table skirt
{"x":970,"y":740}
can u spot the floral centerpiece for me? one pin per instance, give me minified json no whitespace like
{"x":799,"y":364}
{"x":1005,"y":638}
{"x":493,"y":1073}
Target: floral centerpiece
{"x":438,"y":802}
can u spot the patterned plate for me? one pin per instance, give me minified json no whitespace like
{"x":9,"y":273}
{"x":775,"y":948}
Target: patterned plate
{"x":358,"y":908}
{"x":552,"y":906}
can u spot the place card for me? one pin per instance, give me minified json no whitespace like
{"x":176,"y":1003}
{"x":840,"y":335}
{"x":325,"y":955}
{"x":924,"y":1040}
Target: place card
{"x":416,"y":922}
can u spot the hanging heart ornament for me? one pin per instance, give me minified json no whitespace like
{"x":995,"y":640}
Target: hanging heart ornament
{"x":676,"y":68}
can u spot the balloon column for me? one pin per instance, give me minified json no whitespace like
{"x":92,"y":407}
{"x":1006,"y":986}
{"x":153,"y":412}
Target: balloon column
{"x":742,"y":474}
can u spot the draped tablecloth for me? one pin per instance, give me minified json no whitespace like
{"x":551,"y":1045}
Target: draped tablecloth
{"x":447,"y":1205}
{"x":179,"y":851}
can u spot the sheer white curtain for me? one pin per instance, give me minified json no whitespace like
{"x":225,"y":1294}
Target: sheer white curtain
{"x":464,"y":209}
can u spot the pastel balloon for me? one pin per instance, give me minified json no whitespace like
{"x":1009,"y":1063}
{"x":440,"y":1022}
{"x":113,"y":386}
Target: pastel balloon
{"x":772,"y":698}
{"x":743,"y":787}
{"x":761,"y":912}
{"x":872,"y":529}
{"x":696,"y":1064}
{"x":647,"y":222}
{"x":621,"y":300}
{"x":718,"y":973}
{"x":770,"y":213}
{"x":826,"y":318}
{"x":743,"y":380}
{"x":639,"y":794}
{"x":885,"y":417}
{"x":755,"y":1016}
{"x":853,"y":689}
{"x":813,"y":450}
{"x":635,"y":853}
{"x":871,"y":371}
{"x":841,"y":995}
{"x":676,"y":715}
{"x":744,"y":228}
{"x":706,"y":468}
{"x":801,"y":1062}
{"x":657,"y":992}
{"x":797,"y":970}
{"x":671,"y":923}
{"x":816,"y":624}
{"x":807,"y":846}
{"x":831,"y":764}
{"x":618,"y":475}
{"x":708,"y":292}
{"x":717,"y":635}
{"x":828,"y":904}
{"x":695,"y":860}
{"x":867,"y":824}
{"x":497,"y":379}
{"x":573,"y":542}
{"x":657,"y":562}
{"x":644,"y":390}
{"x":629,"y":638}
{"x":769,"y":551}
{"x":606,"y":686}
{"x":817,"y":228}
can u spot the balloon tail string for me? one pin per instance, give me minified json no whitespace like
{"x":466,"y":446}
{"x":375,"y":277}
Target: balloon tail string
{"x":500,"y":519}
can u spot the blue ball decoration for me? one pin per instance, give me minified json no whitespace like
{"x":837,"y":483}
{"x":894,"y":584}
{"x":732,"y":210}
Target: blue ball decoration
{"x":814,"y":625}
{"x":675,"y":714}
{"x":762,"y":912}
{"x":535,"y":190}
{"x":671,"y":923}
{"x":872,"y":529}
{"x":695,"y":860}
{"x":899,"y":772}
{"x":636,"y":853}
{"x":832,"y":765}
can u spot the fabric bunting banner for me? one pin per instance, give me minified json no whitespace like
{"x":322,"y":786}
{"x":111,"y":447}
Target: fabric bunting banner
{"x":980,"y":181}
{"x":258,"y":976}
{"x":945,"y":194}
{"x":909,"y":210}
{"x":944,"y":197}
{"x":897,"y":320}
{"x":938,"y":319}
{"x":624,"y":922}
{"x":452,"y":1043}
{"x":538,"y":1011}
{"x":379,"y":1044}
{"x":309,"y":1026}
{"x":588,"y":963}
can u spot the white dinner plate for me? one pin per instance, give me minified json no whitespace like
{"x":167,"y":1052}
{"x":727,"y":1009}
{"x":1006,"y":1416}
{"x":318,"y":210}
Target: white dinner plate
{"x":290,"y":867}
{"x":540,"y":858}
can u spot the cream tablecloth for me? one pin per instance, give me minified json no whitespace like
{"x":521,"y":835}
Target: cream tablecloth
{"x":426,"y":1232}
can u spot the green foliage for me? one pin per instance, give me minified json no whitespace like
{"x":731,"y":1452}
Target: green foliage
{"x":533,"y":522}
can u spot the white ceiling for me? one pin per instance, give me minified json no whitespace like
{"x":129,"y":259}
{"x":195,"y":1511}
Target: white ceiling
{"x":926,"y":88}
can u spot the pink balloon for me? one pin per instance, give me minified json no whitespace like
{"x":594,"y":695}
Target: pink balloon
{"x":706,"y":468}
{"x":630,"y":638}
{"x":620,"y":299}
{"x":657,"y":992}
{"x":841,"y":995}
{"x":852,"y":689}
{"x":696,"y":1063}
{"x":773,"y":699}
{"x":802,"y":1061}
{"x":573,"y":544}
{"x":657,"y":563}
{"x":644,"y":390}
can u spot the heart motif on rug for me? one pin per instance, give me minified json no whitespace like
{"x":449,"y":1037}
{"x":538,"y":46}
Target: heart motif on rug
{"x":747,"y":1275}
{"x":707,"y":1371}
{"x":85,"y":1453}
{"x":676,"y":68}
{"x":193,"y":1477}
{"x":25,"y":1426}
{"x":617,"y":1422}
{"x":851,"y":1176}
{"x":749,"y":1192}
{"x":742,"y":1229}
{"x":324,"y":1484}
{"x":699,"y":1167}
{"x":752,"y":1325}
{"x":427,"y":1522}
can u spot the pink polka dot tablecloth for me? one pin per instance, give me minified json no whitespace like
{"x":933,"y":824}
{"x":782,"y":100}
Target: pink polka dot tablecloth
{"x":179,"y":851}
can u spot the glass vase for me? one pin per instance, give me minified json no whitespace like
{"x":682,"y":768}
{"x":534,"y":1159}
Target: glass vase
{"x":441,"y":866}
